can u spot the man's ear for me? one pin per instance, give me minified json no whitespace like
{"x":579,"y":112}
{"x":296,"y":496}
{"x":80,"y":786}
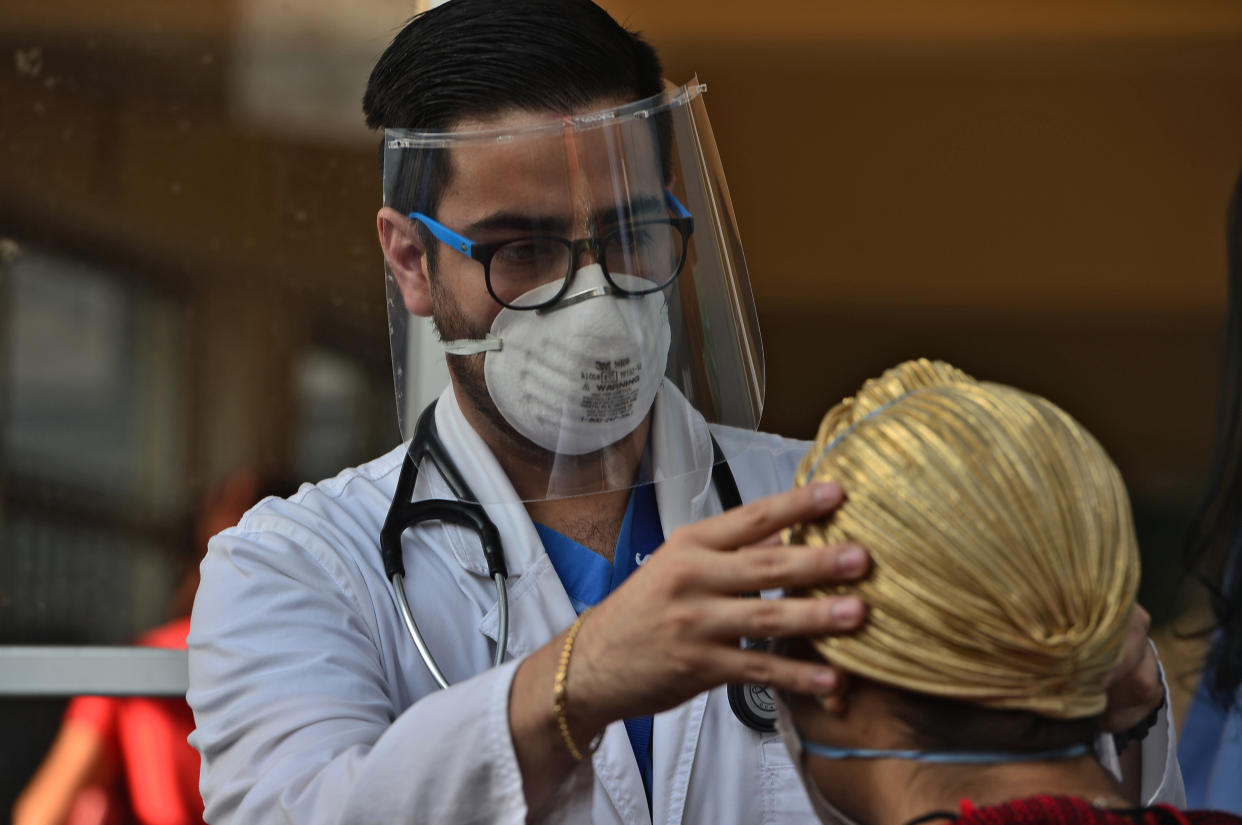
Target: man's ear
{"x":407,"y":259}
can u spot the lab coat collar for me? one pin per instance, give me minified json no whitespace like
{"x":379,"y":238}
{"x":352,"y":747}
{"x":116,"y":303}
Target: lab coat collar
{"x":539,"y":609}
{"x":485,"y":476}
{"x":538,"y":604}
{"x":680,"y":438}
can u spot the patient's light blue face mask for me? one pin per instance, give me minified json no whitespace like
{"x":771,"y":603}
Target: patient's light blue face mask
{"x":796,"y":744}
{"x":943,"y":757}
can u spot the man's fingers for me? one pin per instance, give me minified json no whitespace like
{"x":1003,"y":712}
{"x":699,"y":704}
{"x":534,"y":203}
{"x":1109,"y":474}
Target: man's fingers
{"x":774,"y":540}
{"x":756,"y":521}
{"x":765,"y":567}
{"x":732,"y":618}
{"x":778,"y":672}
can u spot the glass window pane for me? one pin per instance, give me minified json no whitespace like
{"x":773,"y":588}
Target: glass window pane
{"x":96,"y":383}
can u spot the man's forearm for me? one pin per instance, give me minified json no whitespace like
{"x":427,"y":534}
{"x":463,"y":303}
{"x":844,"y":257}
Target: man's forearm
{"x":542,"y":756}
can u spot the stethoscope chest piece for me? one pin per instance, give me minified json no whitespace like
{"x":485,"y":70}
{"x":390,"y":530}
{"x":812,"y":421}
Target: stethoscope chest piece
{"x":754,"y":705}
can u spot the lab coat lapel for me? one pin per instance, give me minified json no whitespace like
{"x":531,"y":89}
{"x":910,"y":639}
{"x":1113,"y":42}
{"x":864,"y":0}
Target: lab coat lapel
{"x":539,"y":609}
{"x":680,"y":438}
{"x":617,"y":771}
{"x":675,"y":737}
{"x":538,"y":605}
{"x":488,"y":480}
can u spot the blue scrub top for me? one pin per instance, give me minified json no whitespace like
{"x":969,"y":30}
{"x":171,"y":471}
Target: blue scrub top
{"x":1210,"y":752}
{"x":589,"y":578}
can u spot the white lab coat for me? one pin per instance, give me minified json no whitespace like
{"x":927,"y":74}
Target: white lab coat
{"x":313,"y":705}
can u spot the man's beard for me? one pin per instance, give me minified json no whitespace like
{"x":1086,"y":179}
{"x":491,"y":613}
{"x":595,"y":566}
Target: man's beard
{"x":467,"y":370}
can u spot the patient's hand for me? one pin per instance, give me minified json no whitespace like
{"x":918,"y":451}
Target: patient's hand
{"x":1134,"y":688}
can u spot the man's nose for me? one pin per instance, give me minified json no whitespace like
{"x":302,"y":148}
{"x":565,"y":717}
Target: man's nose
{"x":586,"y":282}
{"x":587,"y":251}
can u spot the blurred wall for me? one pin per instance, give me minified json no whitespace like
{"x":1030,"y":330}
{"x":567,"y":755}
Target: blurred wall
{"x":1033,"y":191}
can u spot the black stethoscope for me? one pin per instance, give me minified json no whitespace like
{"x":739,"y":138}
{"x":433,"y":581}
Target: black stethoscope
{"x":753,"y":705}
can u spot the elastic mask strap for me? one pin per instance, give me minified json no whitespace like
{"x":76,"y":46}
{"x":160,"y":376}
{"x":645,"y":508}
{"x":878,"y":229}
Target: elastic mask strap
{"x":943,"y":757}
{"x":472,"y":346}
{"x":832,"y":444}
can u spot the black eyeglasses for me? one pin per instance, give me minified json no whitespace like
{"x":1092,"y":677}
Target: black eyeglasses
{"x":650,"y":251}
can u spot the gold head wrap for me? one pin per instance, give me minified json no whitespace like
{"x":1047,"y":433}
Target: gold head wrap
{"x":1004,"y":563}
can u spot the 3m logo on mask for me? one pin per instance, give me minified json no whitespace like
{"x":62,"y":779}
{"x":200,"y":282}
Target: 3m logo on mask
{"x":610,"y":390}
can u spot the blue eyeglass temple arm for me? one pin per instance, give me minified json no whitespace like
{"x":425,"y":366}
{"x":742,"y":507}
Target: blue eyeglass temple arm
{"x":466,"y":246}
{"x":676,"y":205}
{"x":459,"y":242}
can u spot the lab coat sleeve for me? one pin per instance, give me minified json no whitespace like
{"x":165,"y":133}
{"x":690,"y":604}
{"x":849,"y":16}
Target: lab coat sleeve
{"x":295,"y":718}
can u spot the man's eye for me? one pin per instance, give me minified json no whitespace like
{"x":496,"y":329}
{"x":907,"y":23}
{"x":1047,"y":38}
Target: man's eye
{"x":640,"y":236}
{"x":637,"y":237}
{"x":524,"y":252}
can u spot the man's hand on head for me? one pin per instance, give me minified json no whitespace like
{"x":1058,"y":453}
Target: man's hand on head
{"x":672,"y":630}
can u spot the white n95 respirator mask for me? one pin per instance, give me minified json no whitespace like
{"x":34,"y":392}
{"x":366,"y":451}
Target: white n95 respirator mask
{"x":582,"y":374}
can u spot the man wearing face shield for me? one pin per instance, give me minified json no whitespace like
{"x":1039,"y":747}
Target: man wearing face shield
{"x":563,"y":218}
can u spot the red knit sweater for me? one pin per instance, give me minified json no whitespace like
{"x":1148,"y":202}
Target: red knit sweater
{"x":1068,"y":810}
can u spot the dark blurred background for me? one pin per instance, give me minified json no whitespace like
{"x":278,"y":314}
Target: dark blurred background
{"x":190,"y":282}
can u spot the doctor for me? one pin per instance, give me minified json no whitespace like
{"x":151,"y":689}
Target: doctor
{"x":563,"y":218}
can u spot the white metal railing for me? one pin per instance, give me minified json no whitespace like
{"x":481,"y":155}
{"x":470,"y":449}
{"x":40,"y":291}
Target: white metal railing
{"x":30,"y":670}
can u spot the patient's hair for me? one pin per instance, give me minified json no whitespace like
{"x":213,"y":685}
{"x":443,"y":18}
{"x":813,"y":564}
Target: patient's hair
{"x":1004,"y":564}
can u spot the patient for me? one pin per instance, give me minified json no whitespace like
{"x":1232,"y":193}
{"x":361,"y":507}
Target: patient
{"x":1004,"y":572}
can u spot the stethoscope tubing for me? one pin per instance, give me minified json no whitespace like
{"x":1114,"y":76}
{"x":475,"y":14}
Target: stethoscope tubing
{"x":407,"y":615}
{"x":468,"y":513}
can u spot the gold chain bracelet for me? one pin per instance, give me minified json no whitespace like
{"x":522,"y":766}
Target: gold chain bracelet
{"x":560,"y":697}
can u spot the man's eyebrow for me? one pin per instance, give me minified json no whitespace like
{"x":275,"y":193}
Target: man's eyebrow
{"x":518,"y":222}
{"x":643,"y":206}
{"x":640,"y":207}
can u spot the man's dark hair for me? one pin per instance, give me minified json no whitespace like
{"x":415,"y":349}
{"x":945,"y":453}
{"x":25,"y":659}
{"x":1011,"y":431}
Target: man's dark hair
{"x":474,"y":58}
{"x":937,"y":723}
{"x":941,"y":724}
{"x":477,"y":58}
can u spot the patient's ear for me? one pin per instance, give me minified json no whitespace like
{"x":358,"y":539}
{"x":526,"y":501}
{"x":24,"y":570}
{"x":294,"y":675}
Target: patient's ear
{"x":406,"y":256}
{"x":834,"y":704}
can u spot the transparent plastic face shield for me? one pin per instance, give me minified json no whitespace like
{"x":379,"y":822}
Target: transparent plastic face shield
{"x":588,"y":286}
